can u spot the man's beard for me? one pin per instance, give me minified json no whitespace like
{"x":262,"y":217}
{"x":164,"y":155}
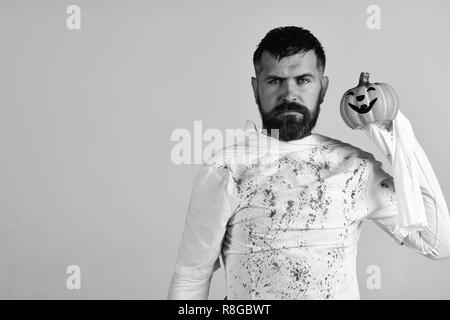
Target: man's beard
{"x":290,"y":127}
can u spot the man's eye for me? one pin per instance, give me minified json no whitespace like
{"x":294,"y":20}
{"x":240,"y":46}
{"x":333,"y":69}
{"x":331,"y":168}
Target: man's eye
{"x":304,"y":80}
{"x":274,"y":81}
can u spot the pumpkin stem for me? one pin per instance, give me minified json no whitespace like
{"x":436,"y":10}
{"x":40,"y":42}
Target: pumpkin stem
{"x":364,"y":79}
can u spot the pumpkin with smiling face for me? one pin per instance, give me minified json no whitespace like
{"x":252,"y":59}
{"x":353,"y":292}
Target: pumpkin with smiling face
{"x":368,"y":103}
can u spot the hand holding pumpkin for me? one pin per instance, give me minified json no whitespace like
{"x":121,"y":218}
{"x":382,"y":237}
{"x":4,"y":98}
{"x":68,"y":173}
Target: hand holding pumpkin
{"x":374,"y":108}
{"x":369,"y":103}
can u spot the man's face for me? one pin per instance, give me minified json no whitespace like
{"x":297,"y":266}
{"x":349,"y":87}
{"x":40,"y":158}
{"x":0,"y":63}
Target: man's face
{"x":289,"y":93}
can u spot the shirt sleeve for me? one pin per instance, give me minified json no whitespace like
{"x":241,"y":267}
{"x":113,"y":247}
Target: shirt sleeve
{"x":204,"y":230}
{"x":433,"y":242}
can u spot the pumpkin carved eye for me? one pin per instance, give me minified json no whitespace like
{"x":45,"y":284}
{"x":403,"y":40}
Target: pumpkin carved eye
{"x":371,"y":88}
{"x":350,"y":94}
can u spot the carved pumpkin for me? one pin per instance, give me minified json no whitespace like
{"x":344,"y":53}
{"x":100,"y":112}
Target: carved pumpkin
{"x":368,"y":103}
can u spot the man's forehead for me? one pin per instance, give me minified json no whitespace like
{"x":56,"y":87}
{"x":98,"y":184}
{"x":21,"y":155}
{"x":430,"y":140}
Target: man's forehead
{"x":301,"y":62}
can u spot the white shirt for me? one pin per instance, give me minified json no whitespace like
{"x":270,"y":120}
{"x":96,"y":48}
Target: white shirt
{"x":287,"y":221}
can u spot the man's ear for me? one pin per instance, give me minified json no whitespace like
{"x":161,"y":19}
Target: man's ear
{"x":255,"y":87}
{"x":323,"y":90}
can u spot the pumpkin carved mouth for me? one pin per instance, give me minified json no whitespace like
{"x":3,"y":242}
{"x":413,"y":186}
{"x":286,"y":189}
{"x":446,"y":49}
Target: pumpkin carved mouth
{"x":363,"y":108}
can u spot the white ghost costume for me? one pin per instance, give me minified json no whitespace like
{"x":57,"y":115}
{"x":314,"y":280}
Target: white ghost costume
{"x":286,"y":218}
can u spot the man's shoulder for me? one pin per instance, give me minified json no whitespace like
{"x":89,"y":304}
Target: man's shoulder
{"x":345,"y":149}
{"x":226,"y":155}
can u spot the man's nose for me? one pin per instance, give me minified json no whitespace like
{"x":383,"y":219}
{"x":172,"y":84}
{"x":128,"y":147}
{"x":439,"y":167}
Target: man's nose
{"x":289,"y":98}
{"x":290,"y":93}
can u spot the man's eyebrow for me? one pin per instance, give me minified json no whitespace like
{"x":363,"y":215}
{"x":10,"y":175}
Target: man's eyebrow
{"x":274,"y":76}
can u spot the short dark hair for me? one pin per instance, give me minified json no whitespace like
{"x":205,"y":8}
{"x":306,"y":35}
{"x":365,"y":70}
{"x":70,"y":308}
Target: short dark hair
{"x":287,"y":41}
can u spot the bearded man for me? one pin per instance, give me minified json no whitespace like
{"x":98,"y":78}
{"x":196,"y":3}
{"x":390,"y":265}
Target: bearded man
{"x":287,"y":223}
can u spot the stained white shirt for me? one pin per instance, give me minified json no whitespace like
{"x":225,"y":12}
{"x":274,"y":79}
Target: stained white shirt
{"x":287,"y":221}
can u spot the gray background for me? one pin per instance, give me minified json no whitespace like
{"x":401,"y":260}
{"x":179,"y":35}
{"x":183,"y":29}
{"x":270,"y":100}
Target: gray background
{"x":86,"y":118}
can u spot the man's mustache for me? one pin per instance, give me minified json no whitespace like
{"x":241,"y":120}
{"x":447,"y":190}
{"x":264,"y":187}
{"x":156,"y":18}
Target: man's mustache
{"x":290,"y":106}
